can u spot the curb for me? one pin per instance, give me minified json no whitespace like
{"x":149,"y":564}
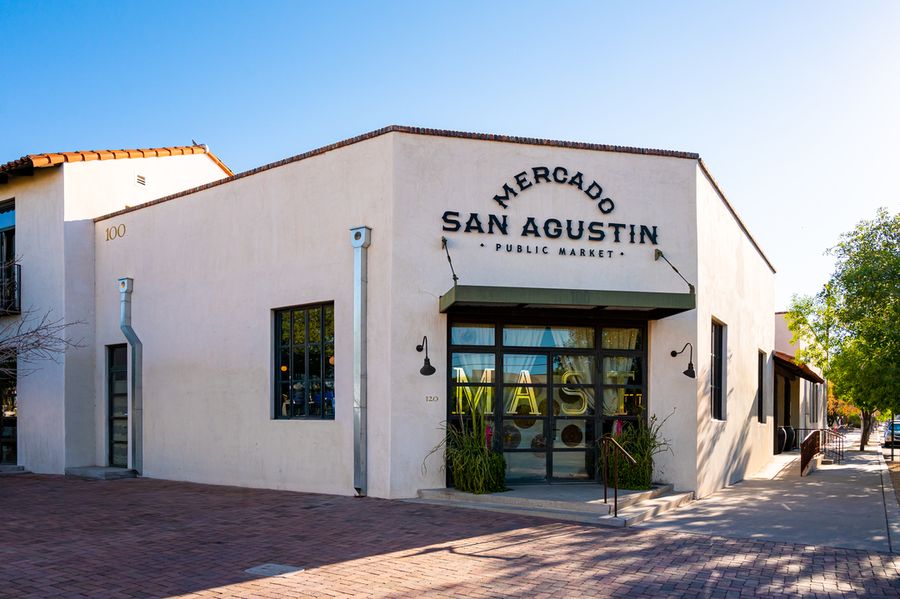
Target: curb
{"x":891,"y":506}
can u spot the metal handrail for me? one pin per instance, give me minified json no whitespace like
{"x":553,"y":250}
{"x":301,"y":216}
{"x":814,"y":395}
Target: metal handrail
{"x":605,"y":441}
{"x":810,"y":447}
{"x":834,"y":445}
{"x":826,"y":441}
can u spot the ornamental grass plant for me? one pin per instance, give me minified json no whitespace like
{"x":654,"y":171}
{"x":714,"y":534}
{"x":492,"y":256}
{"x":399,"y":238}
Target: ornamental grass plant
{"x":643,"y":441}
{"x":474,"y":466}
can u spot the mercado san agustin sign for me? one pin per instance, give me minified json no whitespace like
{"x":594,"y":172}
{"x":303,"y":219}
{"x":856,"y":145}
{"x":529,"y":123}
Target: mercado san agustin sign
{"x":533,"y":231}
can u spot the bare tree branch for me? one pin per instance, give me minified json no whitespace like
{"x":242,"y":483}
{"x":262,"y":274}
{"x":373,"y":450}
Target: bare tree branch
{"x":32,"y":338}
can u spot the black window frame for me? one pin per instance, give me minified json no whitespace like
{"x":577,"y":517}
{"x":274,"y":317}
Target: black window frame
{"x":310,"y":370}
{"x":717,"y":370}
{"x":760,"y":387}
{"x":599,"y":422}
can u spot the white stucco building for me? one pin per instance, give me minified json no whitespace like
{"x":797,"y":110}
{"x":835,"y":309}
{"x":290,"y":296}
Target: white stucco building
{"x":269,"y":304}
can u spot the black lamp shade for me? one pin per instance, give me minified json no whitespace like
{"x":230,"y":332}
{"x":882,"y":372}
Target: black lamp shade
{"x":690,"y":371}
{"x":427,"y":369}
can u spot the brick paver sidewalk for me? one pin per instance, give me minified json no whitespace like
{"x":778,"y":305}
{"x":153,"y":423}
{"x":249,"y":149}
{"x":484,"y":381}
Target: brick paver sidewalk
{"x":148,"y":538}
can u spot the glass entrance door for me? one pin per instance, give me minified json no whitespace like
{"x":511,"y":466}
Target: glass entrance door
{"x":117,"y":374}
{"x":547,"y":416}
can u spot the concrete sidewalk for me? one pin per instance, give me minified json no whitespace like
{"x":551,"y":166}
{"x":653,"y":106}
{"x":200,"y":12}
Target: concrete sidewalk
{"x":849,"y":505}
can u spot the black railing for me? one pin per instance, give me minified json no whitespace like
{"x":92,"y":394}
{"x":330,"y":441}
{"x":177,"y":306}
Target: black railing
{"x":833,"y":445}
{"x":607,"y":444}
{"x":11,"y":289}
{"x":809,"y":449}
{"x":820,"y":440}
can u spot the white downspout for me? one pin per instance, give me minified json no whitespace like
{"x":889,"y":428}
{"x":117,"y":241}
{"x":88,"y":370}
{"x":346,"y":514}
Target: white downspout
{"x":136,"y":411}
{"x":359,"y":238}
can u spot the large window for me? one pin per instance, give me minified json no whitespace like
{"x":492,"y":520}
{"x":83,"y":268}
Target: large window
{"x":304,"y":362}
{"x":548,"y":389}
{"x":717,"y":370}
{"x":760,"y":395}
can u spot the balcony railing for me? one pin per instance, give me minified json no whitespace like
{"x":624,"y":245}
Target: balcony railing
{"x":11,"y":289}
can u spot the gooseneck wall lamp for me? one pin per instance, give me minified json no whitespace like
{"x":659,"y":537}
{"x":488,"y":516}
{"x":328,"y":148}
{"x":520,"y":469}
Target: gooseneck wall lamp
{"x":427,"y":369}
{"x":690,"y":369}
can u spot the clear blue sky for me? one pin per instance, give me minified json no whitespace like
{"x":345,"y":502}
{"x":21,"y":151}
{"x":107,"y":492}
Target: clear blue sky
{"x":795,"y":106}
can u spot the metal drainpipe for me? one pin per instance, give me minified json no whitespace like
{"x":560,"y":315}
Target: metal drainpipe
{"x":137,"y":407}
{"x":360,"y":238}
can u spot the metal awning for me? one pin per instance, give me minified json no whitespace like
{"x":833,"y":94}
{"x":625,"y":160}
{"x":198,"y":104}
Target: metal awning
{"x":786,"y":361}
{"x":653,"y":304}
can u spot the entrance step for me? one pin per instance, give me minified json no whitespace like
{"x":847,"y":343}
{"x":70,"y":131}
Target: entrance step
{"x":575,"y":503}
{"x":100,"y":473}
{"x":9,"y":469}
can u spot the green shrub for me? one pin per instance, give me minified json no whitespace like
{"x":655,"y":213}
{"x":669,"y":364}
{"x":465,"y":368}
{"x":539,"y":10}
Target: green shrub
{"x":643,"y":441}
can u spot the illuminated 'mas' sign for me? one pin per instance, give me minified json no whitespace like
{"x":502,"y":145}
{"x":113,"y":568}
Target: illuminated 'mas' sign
{"x":522,"y":393}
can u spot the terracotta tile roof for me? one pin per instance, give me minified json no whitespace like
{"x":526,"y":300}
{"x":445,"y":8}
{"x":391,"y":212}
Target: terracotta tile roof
{"x":788,"y":362}
{"x":32,"y":161}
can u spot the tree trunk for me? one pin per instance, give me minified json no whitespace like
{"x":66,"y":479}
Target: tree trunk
{"x":867,"y":422}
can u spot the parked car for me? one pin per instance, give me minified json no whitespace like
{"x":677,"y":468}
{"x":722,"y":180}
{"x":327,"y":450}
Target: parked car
{"x":886,"y":438}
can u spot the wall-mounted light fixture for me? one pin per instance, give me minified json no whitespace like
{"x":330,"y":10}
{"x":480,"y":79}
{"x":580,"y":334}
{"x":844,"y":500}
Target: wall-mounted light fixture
{"x":657,"y":254}
{"x":427,"y":369}
{"x":690,"y":369}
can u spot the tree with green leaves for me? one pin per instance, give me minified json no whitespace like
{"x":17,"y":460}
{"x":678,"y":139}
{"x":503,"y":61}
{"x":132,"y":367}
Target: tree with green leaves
{"x":851,"y":329}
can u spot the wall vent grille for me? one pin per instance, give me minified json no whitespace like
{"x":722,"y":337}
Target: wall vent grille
{"x":141,"y":180}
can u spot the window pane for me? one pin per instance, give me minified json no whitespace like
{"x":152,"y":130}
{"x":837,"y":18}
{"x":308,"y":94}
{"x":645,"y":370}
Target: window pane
{"x":299,"y":326}
{"x":575,"y":370}
{"x":298,"y":397}
{"x":119,"y":405}
{"x":525,"y":400}
{"x":622,"y":370}
{"x":120,"y":453}
{"x":526,"y":465}
{"x":621,"y":339}
{"x":472,"y":368}
{"x":524,"y":433}
{"x":8,"y":215}
{"x":623,"y":402}
{"x":527,"y":336}
{"x":525,"y":370}
{"x":573,"y":464}
{"x":315,"y":325}
{"x":120,"y":430}
{"x":119,"y":357}
{"x":283,"y":364}
{"x":574,"y":433}
{"x":315,"y":363}
{"x":467,"y":398}
{"x":314,"y":402}
{"x":328,"y":399}
{"x":283,"y":327}
{"x":472,"y":334}
{"x":329,"y":361}
{"x":283,"y":401}
{"x":573,"y":401}
{"x":299,"y":363}
{"x":120,"y":382}
{"x":329,"y":322}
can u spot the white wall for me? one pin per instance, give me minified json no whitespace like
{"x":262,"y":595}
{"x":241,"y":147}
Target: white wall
{"x":736,"y":287}
{"x":55,"y":243}
{"x":208,"y":270}
{"x":39,"y":248}
{"x":434,"y":174}
{"x":92,"y":189}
